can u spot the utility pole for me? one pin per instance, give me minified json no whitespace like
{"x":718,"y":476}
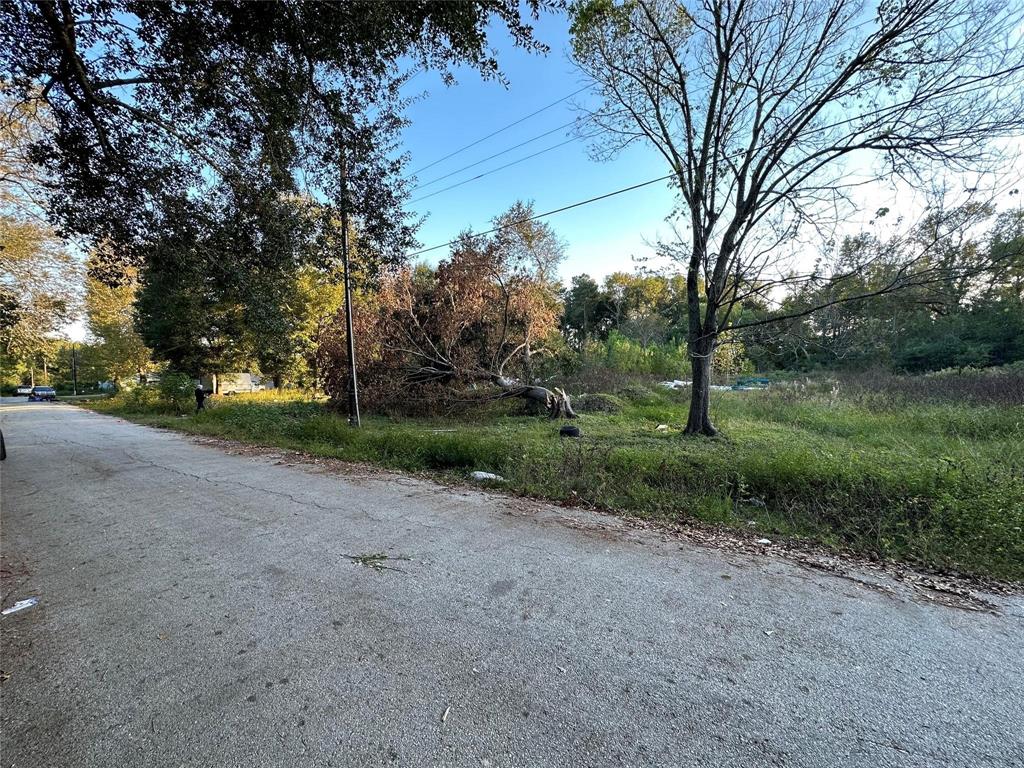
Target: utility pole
{"x":353,"y":386}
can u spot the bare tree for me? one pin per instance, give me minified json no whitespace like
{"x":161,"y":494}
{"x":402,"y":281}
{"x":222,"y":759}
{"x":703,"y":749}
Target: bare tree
{"x":764,"y":108}
{"x":646,"y":327}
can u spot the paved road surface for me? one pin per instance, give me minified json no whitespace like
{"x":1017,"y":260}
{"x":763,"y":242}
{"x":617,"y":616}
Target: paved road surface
{"x":197,"y":609}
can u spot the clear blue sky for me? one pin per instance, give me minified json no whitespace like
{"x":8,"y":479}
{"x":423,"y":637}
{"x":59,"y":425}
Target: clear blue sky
{"x":601,"y":237}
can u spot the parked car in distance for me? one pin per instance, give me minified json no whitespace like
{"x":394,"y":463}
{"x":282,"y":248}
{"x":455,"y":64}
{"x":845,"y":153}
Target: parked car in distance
{"x":233,"y":383}
{"x":42,"y":393}
{"x":23,"y":390}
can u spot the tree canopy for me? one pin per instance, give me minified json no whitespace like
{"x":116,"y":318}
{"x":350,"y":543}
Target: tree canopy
{"x":157,"y":102}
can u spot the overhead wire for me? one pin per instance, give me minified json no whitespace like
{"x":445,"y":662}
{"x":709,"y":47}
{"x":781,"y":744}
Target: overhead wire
{"x":545,"y":214}
{"x":548,"y":213}
{"x":496,"y":154}
{"x":499,"y":130}
{"x":506,"y":165}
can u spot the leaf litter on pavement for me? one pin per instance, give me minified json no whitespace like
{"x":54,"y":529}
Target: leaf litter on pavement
{"x":377,"y":560}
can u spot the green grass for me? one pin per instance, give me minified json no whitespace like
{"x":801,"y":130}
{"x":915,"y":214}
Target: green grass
{"x":936,"y":485}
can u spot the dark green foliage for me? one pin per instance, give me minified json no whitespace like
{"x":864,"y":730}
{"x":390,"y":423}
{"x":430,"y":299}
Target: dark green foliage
{"x":967,"y":310}
{"x":10,"y":307}
{"x":216,"y":290}
{"x":987,"y":333}
{"x":642,"y":306}
{"x":157,"y":98}
{"x":177,"y":391}
{"x":588,"y":311}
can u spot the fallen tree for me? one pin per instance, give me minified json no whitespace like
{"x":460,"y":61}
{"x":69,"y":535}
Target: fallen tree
{"x":555,"y":401}
{"x":471,"y":330}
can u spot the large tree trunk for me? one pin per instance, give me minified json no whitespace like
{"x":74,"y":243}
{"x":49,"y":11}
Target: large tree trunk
{"x":699,"y":420}
{"x":556,"y":401}
{"x":703,"y":332}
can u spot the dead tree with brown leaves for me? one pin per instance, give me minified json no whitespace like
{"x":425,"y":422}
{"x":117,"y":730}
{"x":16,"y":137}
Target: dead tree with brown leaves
{"x":473,"y":328}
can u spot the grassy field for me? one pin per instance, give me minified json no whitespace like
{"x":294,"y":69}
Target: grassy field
{"x":934,"y":484}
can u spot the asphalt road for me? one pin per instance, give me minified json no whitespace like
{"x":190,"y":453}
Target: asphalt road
{"x":197,"y":608}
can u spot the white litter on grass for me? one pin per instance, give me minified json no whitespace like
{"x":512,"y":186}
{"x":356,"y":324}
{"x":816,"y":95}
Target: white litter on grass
{"x":20,"y":606}
{"x":481,"y":476}
{"x":662,"y":427}
{"x":764,"y":541}
{"x":674,"y":384}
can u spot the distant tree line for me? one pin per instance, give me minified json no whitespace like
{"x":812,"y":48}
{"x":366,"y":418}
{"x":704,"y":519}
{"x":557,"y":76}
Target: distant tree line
{"x":976,"y":322}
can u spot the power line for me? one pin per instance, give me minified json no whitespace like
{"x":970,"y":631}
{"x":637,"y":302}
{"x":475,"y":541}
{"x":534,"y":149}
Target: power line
{"x":549,"y":213}
{"x":491,"y":157}
{"x":500,"y":130}
{"x":506,"y":165}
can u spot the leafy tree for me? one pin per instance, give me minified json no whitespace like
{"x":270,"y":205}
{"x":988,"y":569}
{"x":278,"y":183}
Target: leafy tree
{"x":758,"y":108}
{"x":228,"y":112}
{"x":38,"y":281}
{"x":37,"y":292}
{"x":588,"y":311}
{"x":527,"y":253}
{"x":216,"y":291}
{"x":1006,"y":249}
{"x":646,"y":327}
{"x":152,"y":101}
{"x":319,"y":299}
{"x":644,"y":305}
{"x":956,"y":323}
{"x":185,"y":315}
{"x":118,"y":352}
{"x":22,"y":185}
{"x":71,"y":363}
{"x":988,"y":333}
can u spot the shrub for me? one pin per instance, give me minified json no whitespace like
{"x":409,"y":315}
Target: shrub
{"x":176,"y":390}
{"x":598,"y":403}
{"x":140,"y":399}
{"x":623,"y":354}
